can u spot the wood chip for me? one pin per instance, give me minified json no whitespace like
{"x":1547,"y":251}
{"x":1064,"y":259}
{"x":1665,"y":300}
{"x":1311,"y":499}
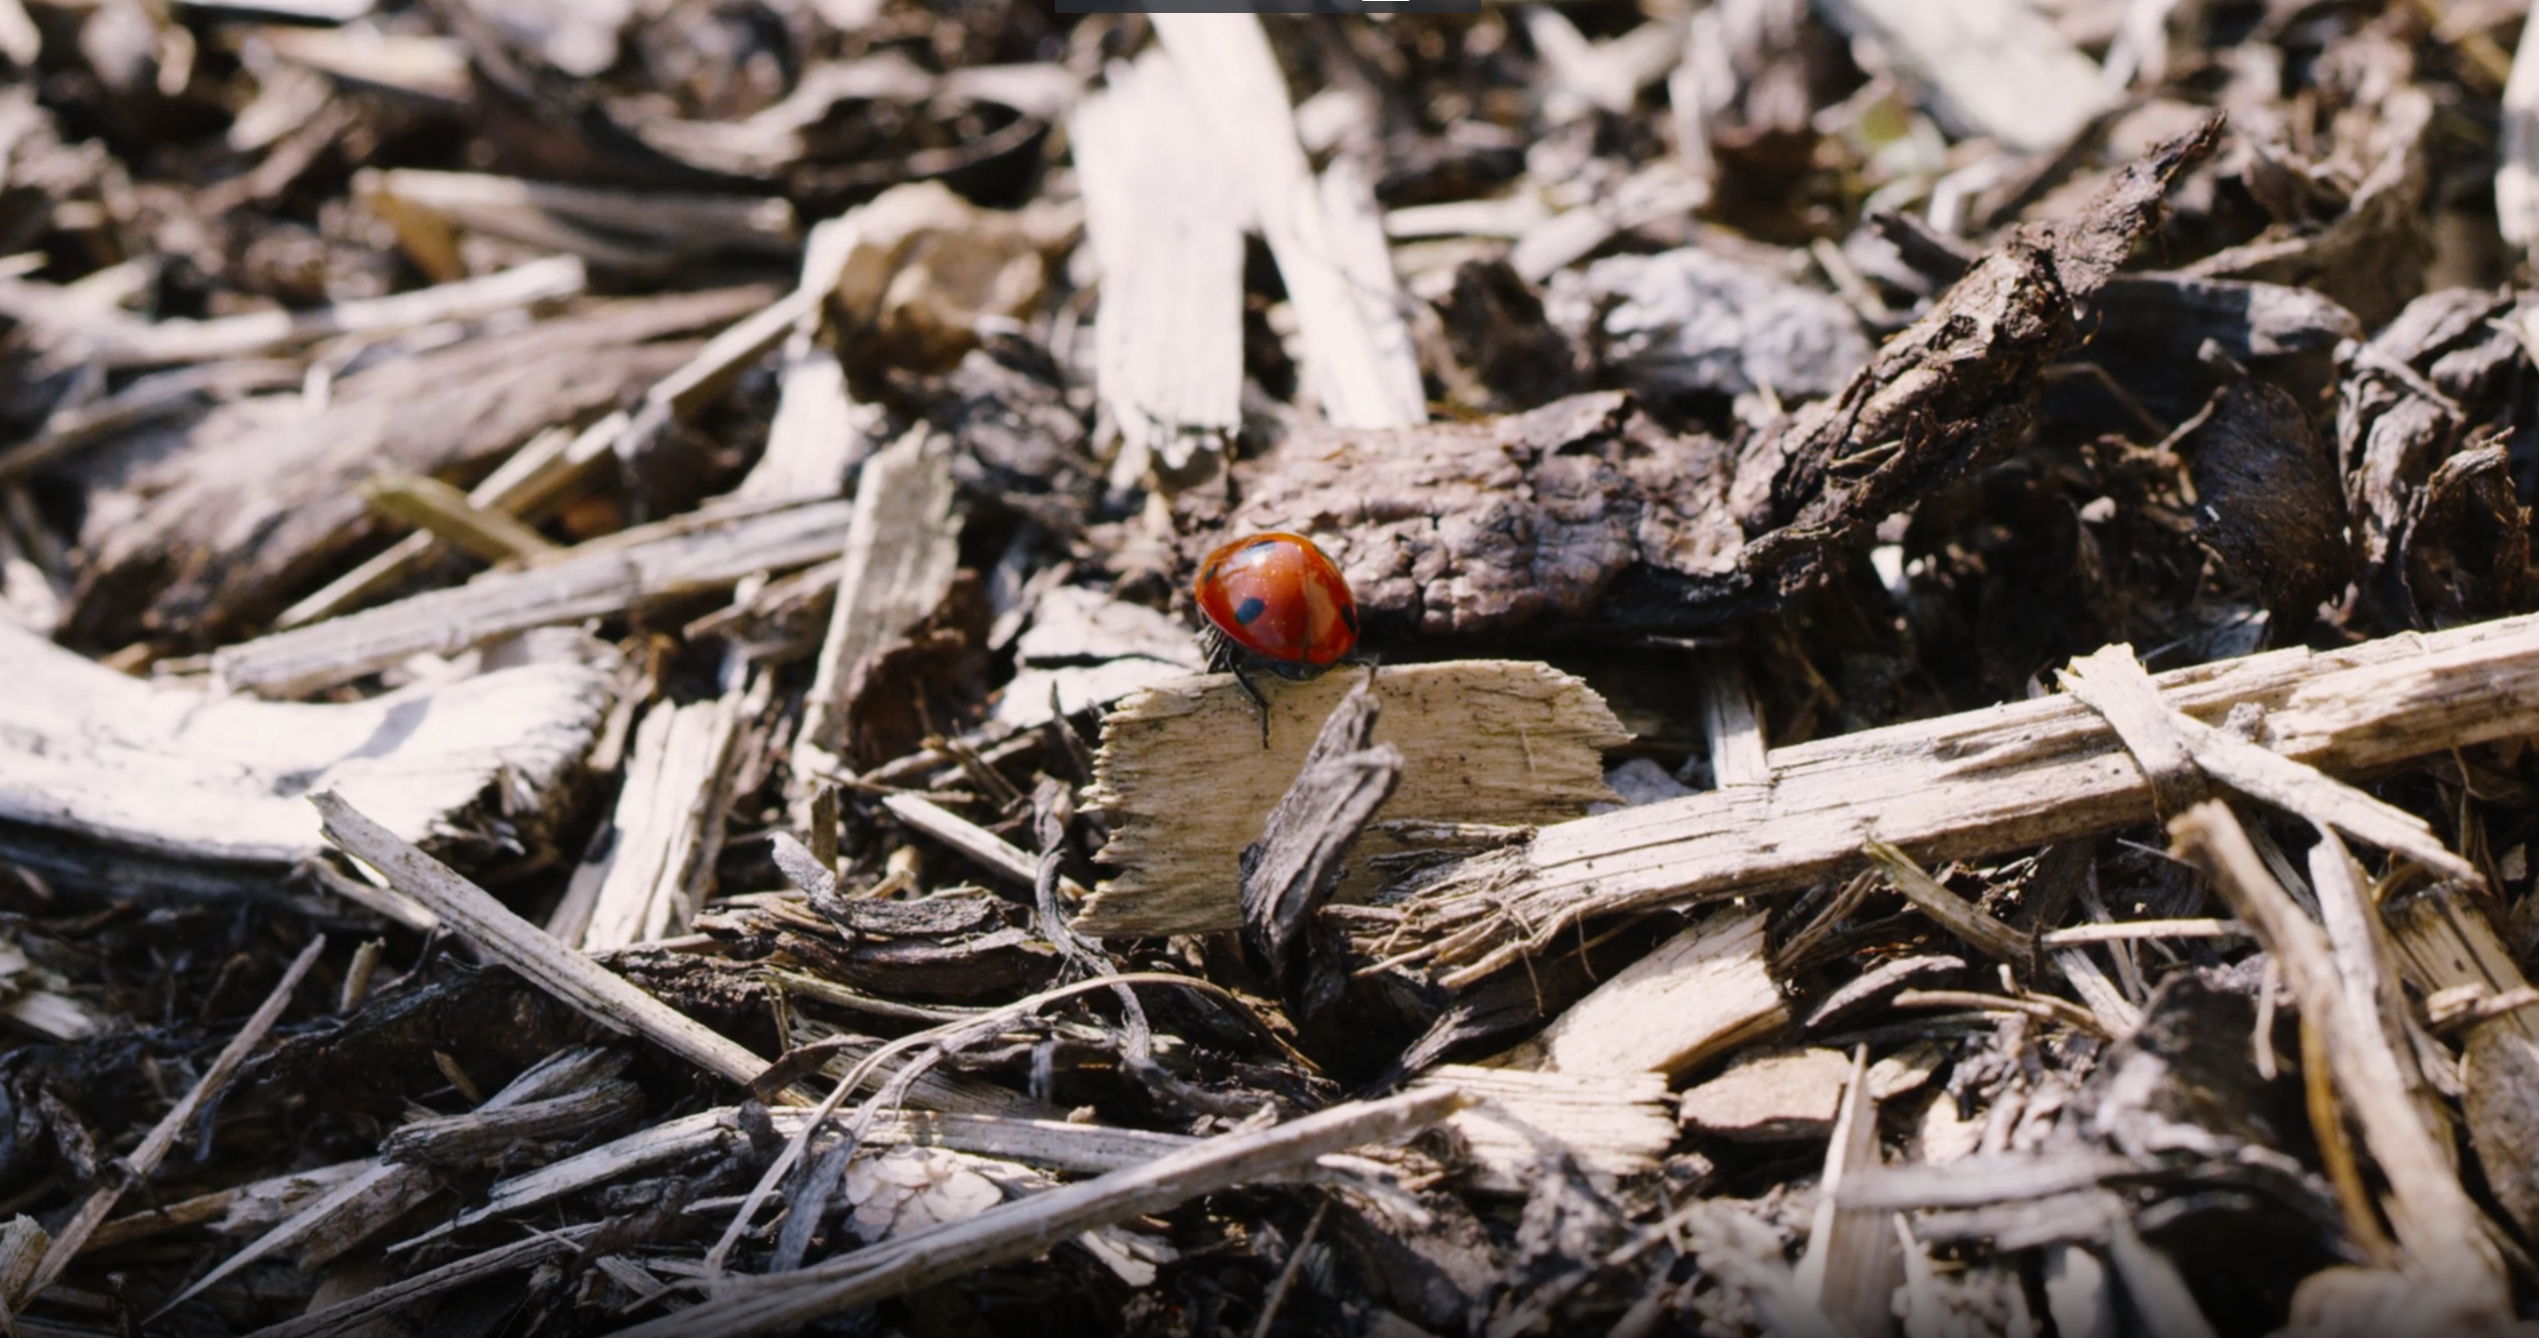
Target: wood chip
{"x":1851,"y":1267}
{"x":1768,"y":1096}
{"x":1690,"y":1000}
{"x":2006,"y":777}
{"x":97,"y":768}
{"x":1994,"y":67}
{"x":2444,"y":941}
{"x":705,"y":551}
{"x":160,"y":342}
{"x":1483,"y":741}
{"x":901,"y":549}
{"x":1358,"y":353}
{"x":2517,"y":175}
{"x":668,"y":827}
{"x":1615,"y":1124}
{"x":1164,"y":211}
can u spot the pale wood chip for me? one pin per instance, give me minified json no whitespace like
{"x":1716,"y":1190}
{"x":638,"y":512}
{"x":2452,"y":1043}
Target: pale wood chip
{"x":1615,"y":1124}
{"x":1184,"y":782}
{"x":1690,"y":1000}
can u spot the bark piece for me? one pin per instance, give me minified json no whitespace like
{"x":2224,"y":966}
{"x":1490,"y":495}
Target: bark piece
{"x":630,"y":571}
{"x":221,"y":523}
{"x":1486,"y":527}
{"x":1615,"y":1124}
{"x":1700,"y":994}
{"x":1771,"y":1096}
{"x":902,"y":548}
{"x":1293,"y":869}
{"x":925,"y":273}
{"x":2368,"y":258}
{"x":2006,"y":777}
{"x":2269,"y":503}
{"x":2176,"y":313}
{"x":1496,"y":329}
{"x":1950,"y":393}
{"x":2465,"y":548}
{"x":2396,"y":424}
{"x":1482,"y":741}
{"x":1462,"y":528}
{"x":102,"y":774}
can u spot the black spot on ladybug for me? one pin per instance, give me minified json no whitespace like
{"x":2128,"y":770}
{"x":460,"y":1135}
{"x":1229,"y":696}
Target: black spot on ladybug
{"x":1251,"y":607}
{"x":1349,"y":618}
{"x":1258,"y":544}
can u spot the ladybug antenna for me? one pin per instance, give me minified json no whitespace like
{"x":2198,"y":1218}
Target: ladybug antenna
{"x":1244,"y":681}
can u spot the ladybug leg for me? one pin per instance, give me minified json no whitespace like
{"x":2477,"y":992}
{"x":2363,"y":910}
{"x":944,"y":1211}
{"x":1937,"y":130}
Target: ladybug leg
{"x":1216,"y":649}
{"x":1244,"y":681}
{"x":1225,"y":657}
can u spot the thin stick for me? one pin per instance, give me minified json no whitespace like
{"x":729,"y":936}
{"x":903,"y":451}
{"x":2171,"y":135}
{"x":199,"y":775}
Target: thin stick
{"x":1032,"y":1226}
{"x":354,"y":1312}
{"x":2437,"y":1225}
{"x":2042,"y":1006}
{"x":987,"y":848}
{"x":598,"y":992}
{"x":2201,"y":927}
{"x":162,"y":1137}
{"x":987,"y":1022}
{"x":1287,"y":1272}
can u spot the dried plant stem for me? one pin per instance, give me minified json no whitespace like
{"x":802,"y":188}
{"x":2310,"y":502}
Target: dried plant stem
{"x":1027,"y":1227}
{"x":602,"y":994}
{"x":2436,"y":1223}
{"x":154,"y":1148}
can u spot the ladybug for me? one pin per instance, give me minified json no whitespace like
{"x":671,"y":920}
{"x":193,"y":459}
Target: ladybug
{"x":1274,"y":602}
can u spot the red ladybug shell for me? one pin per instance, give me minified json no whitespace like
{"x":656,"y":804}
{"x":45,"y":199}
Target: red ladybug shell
{"x":1277,"y":596}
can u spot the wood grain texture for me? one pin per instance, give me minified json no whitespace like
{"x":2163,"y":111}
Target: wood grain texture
{"x":1615,"y":1124}
{"x":2006,"y":777}
{"x":1701,"y":992}
{"x":1186,"y":787}
{"x":97,"y":767}
{"x":703,"y":551}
